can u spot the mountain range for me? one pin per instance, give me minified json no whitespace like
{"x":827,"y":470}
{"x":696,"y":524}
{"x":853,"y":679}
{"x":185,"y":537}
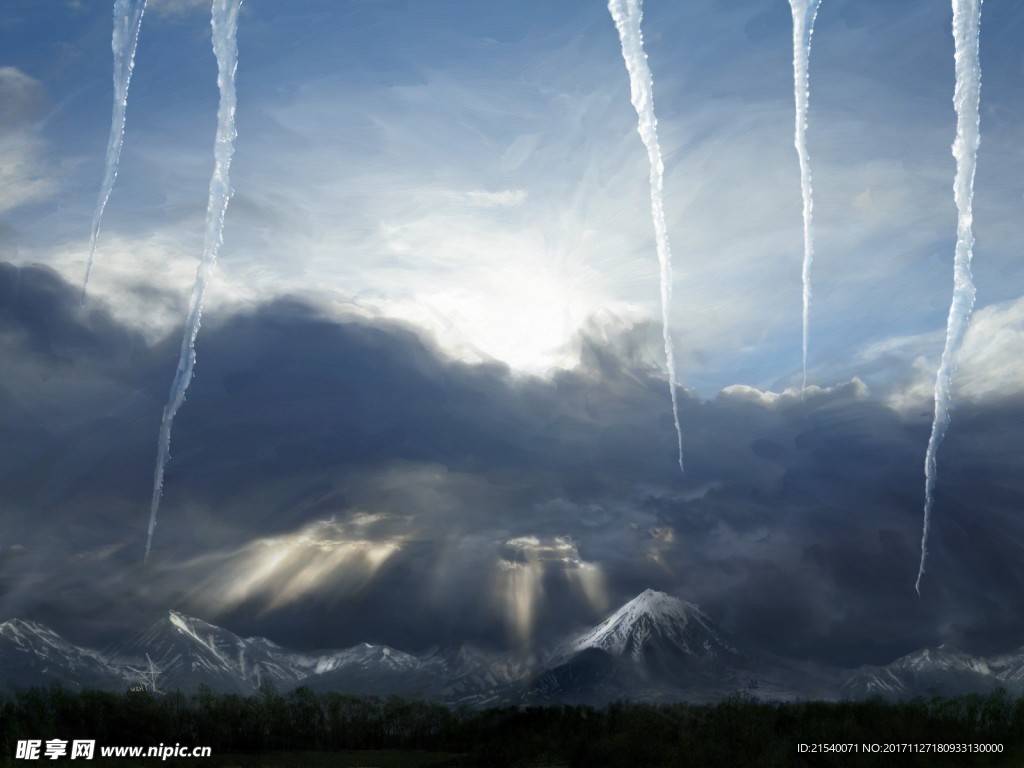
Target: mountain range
{"x":654,"y":648}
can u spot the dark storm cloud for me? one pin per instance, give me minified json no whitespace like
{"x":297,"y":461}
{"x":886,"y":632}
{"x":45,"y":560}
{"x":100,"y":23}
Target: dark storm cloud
{"x":412,"y":496}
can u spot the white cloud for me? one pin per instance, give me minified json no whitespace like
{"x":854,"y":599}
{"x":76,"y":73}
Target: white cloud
{"x":407,"y":195}
{"x":145,"y":281}
{"x":743,"y":393}
{"x":990,"y":365}
{"x":20,"y":97}
{"x":24,"y":173}
{"x":504,"y":198}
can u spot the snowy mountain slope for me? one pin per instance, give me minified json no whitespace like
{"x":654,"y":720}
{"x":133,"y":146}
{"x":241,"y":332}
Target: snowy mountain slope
{"x":652,"y":619}
{"x":32,"y":655}
{"x":179,"y":652}
{"x":654,"y":648}
{"x":659,"y":647}
{"x":187,"y":652}
{"x":591,"y":676}
{"x":368,"y":669}
{"x":363,"y":655}
{"x":472,"y":676}
{"x":1009,"y":668}
{"x":936,"y":671}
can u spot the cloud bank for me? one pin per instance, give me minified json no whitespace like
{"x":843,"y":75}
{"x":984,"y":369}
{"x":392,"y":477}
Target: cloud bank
{"x":341,"y":479}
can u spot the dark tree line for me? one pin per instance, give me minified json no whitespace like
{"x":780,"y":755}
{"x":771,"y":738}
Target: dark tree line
{"x":738,"y":731}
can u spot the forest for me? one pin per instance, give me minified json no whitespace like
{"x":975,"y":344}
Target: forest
{"x":306,"y":728}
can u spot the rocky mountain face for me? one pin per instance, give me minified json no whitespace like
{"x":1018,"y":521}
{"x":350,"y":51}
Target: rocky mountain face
{"x":31,"y":654}
{"x":181,"y":653}
{"x":651,"y":647}
{"x":942,"y":671}
{"x":654,"y":648}
{"x":659,"y":648}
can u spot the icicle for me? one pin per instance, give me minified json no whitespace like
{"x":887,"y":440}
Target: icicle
{"x":966,"y":97}
{"x":224,"y":21}
{"x":804,"y":14}
{"x":127,"y":22}
{"x":627,"y":15}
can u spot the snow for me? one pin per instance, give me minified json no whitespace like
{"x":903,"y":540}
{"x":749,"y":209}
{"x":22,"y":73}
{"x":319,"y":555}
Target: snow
{"x":652,"y":614}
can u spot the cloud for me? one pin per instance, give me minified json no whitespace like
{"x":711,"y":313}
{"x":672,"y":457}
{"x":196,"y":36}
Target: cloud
{"x":341,"y":557}
{"x":769,"y":399}
{"x":504,"y":198}
{"x":144,"y":281}
{"x":20,"y":98}
{"x":440,"y":173}
{"x":327,"y":466}
{"x":25,"y":175}
{"x":521,"y":572}
{"x":987,"y":368}
{"x":993,"y":348}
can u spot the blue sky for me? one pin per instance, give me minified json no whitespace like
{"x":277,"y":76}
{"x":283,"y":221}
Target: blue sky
{"x":473,"y":168}
{"x":437,"y":298}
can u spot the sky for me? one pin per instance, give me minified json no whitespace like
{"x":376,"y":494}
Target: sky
{"x":431,"y":405}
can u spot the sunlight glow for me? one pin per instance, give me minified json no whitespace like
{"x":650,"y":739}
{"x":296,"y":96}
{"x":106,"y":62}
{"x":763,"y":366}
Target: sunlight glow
{"x":276,"y":571}
{"x":520,"y":585}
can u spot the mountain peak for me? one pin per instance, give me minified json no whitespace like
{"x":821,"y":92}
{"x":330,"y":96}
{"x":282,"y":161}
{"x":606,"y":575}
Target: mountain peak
{"x":200,"y":631}
{"x":659,"y":606}
{"x":656,"y":617}
{"x":17,"y":624}
{"x":654,"y":602}
{"x":183,"y":620}
{"x":19,"y":629}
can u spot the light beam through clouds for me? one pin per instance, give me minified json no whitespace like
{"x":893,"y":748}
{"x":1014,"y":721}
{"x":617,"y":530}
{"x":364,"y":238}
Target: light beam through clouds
{"x":224,"y":24}
{"x":521,"y":579}
{"x":127,"y":22}
{"x":966,"y":97}
{"x":339,"y":556}
{"x":627,"y":15}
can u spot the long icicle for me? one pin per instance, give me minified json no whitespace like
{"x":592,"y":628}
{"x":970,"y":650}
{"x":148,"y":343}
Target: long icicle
{"x":804,"y":14}
{"x":966,"y":97}
{"x":627,"y":15}
{"x":127,"y":22}
{"x":224,"y":23}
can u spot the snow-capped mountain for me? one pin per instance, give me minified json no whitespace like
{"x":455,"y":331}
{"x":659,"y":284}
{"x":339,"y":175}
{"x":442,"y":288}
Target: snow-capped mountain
{"x":180,"y":652}
{"x":368,"y":669}
{"x":31,"y":654}
{"x":1009,"y":668}
{"x":938,"y":671}
{"x":480,"y":678}
{"x":655,"y":623}
{"x":655,"y":648}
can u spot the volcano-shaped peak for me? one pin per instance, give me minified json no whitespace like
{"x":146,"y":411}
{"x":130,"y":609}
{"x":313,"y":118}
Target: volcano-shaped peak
{"x":656,"y":603}
{"x":655,"y":618}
